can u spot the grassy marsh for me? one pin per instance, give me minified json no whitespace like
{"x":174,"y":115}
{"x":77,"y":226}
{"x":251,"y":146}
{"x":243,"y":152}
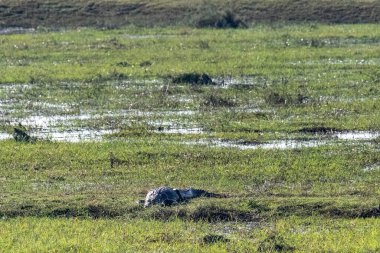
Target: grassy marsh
{"x":294,"y":82}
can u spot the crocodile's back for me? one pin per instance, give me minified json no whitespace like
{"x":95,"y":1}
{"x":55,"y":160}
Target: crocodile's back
{"x":161,"y":196}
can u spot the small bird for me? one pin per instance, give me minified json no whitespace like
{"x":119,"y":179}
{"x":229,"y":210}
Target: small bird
{"x":20,"y":135}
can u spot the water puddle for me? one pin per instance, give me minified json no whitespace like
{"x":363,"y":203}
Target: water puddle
{"x":277,"y":144}
{"x":68,"y":122}
{"x":373,"y":167}
{"x":181,"y":130}
{"x":175,"y":127}
{"x":16,"y":30}
{"x":357,"y":135}
{"x":337,"y":42}
{"x":77,"y":135}
{"x":5,"y":136}
{"x":333,"y":61}
{"x":291,"y":144}
{"x":149,"y":36}
{"x":43,"y":121}
{"x":83,"y":127}
{"x":342,"y":99}
{"x":244,"y":81}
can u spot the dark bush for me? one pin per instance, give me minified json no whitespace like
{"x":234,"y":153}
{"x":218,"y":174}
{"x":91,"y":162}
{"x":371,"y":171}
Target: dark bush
{"x":225,"y":20}
{"x":193,"y":78}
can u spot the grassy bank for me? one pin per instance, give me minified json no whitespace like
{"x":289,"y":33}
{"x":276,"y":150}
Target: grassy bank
{"x":316,"y":199}
{"x":293,"y":234}
{"x":77,"y":180}
{"x":55,"y":14}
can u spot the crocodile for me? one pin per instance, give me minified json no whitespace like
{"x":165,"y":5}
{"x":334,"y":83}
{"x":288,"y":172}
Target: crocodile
{"x":167,"y":196}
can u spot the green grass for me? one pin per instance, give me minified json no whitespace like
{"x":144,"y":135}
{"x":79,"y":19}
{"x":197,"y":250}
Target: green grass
{"x":287,"y":82}
{"x":275,"y":54}
{"x":293,"y":234}
{"x":299,"y":76}
{"x":62,"y":179}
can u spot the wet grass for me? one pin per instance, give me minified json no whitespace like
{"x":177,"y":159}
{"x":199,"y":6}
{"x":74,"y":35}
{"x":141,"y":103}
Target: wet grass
{"x":282,"y":93}
{"x":150,"y":91}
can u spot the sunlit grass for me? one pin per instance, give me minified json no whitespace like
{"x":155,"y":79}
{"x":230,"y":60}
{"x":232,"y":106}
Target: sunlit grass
{"x":85,"y":54}
{"x":299,"y":235}
{"x":271,"y":83}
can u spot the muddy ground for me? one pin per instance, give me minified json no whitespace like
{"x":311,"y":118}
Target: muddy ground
{"x":114,"y":13}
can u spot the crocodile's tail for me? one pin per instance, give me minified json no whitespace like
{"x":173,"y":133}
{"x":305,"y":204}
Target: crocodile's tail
{"x":194,"y":193}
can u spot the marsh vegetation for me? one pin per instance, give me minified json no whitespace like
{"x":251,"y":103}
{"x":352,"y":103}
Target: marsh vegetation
{"x":282,"y":119}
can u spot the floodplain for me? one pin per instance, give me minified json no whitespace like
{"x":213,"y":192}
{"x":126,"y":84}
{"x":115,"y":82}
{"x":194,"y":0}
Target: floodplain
{"x":282,"y":119}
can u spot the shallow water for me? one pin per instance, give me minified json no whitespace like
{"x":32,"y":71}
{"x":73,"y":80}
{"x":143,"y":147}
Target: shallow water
{"x":72,"y":128}
{"x":16,"y":30}
{"x":276,"y":144}
{"x":243,"y":81}
{"x":357,"y":135}
{"x":292,"y":144}
{"x":332,"y":61}
{"x":373,"y":167}
{"x":179,"y":130}
{"x":148,"y":36}
{"x":42,"y":121}
{"x":77,"y":135}
{"x":4,"y":136}
{"x":68,"y":122}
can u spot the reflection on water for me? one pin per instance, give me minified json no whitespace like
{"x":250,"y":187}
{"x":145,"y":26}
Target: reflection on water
{"x":291,"y":144}
{"x":74,"y":135}
{"x":16,"y":30}
{"x":4,"y":136}
{"x":276,"y":144}
{"x":357,"y":135}
{"x":373,"y":167}
{"x":74,"y":128}
{"x":88,"y":134}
